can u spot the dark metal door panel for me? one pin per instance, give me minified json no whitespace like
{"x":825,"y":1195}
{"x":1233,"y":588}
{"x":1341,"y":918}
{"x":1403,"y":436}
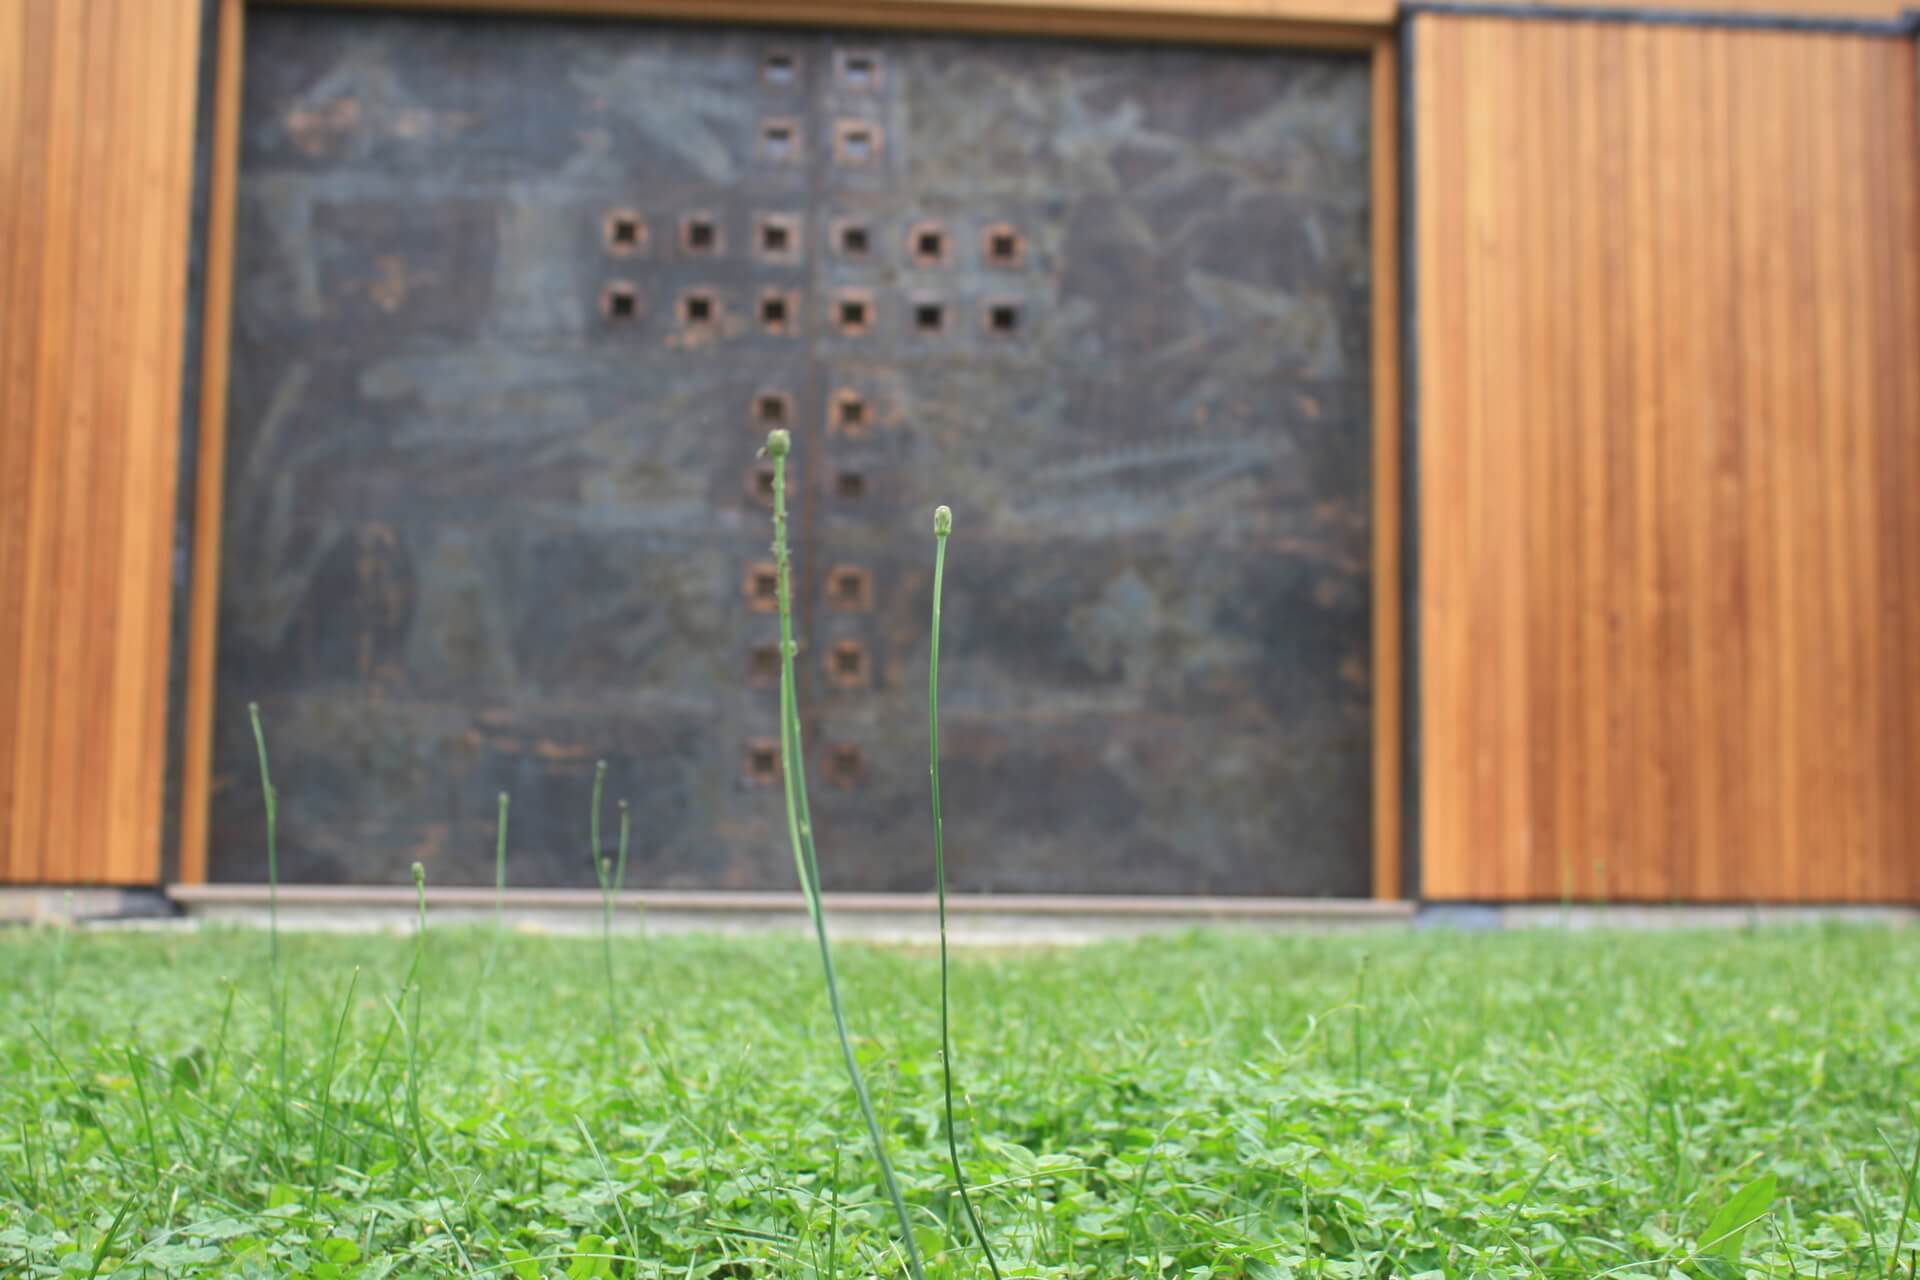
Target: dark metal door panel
{"x":482,"y":527}
{"x":1150,"y":418}
{"x":493,"y":508}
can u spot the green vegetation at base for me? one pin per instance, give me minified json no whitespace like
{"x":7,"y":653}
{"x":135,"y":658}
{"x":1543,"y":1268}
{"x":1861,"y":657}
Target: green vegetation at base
{"x":1526,"y":1105}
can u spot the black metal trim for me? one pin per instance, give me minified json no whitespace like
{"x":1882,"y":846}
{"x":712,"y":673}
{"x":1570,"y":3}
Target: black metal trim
{"x":1906,"y":25}
{"x":1409,"y":479}
{"x":179,"y":610}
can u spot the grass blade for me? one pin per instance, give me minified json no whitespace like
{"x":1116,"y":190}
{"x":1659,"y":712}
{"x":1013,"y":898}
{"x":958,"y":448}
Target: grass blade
{"x":500,"y":868}
{"x":274,"y":976}
{"x":942,"y":526}
{"x":800,"y":834}
{"x":415,"y":980}
{"x":1726,"y":1232}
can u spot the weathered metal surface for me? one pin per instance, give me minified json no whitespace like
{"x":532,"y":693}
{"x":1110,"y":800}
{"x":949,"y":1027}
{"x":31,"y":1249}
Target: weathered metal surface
{"x":493,"y":505}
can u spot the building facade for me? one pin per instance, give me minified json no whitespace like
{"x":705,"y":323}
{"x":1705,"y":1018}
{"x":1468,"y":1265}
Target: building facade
{"x":1441,"y":451}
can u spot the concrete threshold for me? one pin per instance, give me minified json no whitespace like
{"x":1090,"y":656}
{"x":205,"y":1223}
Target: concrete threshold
{"x":38,"y":904}
{"x":978,"y":919}
{"x":1640,"y":916}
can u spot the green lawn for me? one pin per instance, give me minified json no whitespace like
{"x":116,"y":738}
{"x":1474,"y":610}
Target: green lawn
{"x":1386,"y":1104}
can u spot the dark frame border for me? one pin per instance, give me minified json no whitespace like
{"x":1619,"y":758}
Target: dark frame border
{"x":1391,"y":855}
{"x":1409,"y":467}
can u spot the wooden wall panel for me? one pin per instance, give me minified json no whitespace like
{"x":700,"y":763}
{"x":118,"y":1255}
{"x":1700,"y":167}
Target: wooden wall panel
{"x":96,"y":135}
{"x":1668,"y":288}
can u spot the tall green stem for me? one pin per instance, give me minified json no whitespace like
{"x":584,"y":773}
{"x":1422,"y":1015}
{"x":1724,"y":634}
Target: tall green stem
{"x":499,"y":893}
{"x":593,"y":825}
{"x":274,"y":976}
{"x":273,"y":839}
{"x":603,"y":875}
{"x":415,"y":979}
{"x":610,"y":885}
{"x":500,"y":868}
{"x":942,"y":526}
{"x":800,"y":833}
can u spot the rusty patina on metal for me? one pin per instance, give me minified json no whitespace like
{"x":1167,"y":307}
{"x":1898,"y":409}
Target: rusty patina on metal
{"x":517,"y":302}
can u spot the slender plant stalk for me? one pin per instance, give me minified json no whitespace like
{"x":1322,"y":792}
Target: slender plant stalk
{"x":273,"y":846}
{"x":499,"y":904}
{"x":800,"y":834}
{"x":593,"y":825}
{"x":113,"y":1233}
{"x":610,"y":884}
{"x":324,"y":1132}
{"x":274,"y":976}
{"x":659,"y":1057}
{"x":942,"y":526}
{"x":603,"y":876}
{"x":414,"y":980}
{"x":620,"y":862}
{"x":1906,"y":1203}
{"x":146,"y":1113}
{"x":478,"y":992}
{"x":500,"y":869}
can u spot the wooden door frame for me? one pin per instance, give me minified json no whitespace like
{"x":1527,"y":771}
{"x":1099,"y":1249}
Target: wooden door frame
{"x":1356,"y":26}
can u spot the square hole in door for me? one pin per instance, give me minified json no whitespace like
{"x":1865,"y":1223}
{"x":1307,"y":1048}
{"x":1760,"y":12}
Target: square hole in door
{"x":847,"y":664}
{"x":620,"y":302}
{"x":849,"y":414}
{"x":772,"y":409}
{"x":760,"y":762}
{"x":777,"y":237}
{"x":852,"y":238}
{"x":759,"y":483}
{"x":928,"y":244}
{"x":845,"y":764}
{"x":780,"y":140}
{"x":1002,"y":246}
{"x":779,"y":311}
{"x":856,"y":143}
{"x":853,"y":312}
{"x":849,"y":589}
{"x":763,"y":665}
{"x":624,"y":232}
{"x":699,"y":309}
{"x":761,"y":587}
{"x":780,"y":69}
{"x":929,"y":317}
{"x":700,"y":234}
{"x":858,"y":69}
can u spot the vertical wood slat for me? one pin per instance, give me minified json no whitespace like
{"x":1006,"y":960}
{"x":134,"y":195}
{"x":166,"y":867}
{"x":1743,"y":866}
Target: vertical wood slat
{"x":21,"y":95}
{"x":1897,"y":464}
{"x":1388,"y":838}
{"x":96,"y":105}
{"x":196,"y":768}
{"x":122,"y":268}
{"x":84,"y":522}
{"x":1669,"y":295}
{"x":46,"y":317}
{"x":169,"y":151}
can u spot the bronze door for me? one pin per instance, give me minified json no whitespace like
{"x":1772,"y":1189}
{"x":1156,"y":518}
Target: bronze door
{"x":518,"y":300}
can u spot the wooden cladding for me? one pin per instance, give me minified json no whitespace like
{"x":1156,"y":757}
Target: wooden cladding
{"x":1669,"y":462}
{"x":96,"y":136}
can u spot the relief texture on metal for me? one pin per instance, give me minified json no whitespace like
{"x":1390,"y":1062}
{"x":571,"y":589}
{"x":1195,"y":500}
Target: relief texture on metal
{"x":517,"y":302}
